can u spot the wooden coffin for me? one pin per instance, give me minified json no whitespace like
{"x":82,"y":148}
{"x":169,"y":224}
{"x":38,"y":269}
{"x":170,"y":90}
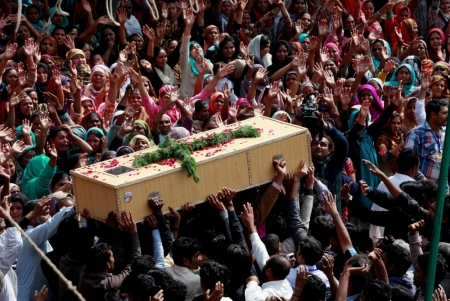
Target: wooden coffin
{"x":240,"y":164}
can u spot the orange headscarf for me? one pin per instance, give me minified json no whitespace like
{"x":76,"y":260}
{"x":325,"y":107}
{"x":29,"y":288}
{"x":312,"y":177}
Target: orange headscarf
{"x":406,"y":27}
{"x":437,"y":78}
{"x":212,"y":99}
{"x":206,"y":44}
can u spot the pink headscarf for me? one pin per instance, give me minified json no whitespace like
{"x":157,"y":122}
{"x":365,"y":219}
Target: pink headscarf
{"x":377,"y":106}
{"x":173,"y":112}
{"x":332,"y":45}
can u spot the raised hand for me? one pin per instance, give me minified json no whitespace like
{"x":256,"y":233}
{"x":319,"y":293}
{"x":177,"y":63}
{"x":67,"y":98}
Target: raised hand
{"x":216,"y":295}
{"x":373,"y":169}
{"x":375,"y":255}
{"x":5,"y":173}
{"x":5,"y":131}
{"x":42,"y":295}
{"x":45,"y":121}
{"x":323,"y":24}
{"x":261,"y":75}
{"x":244,"y":49}
{"x":202,"y":65}
{"x":56,"y":76}
{"x":69,"y":42}
{"x":318,"y":69}
{"x":345,"y":191}
{"x":4,"y":21}
{"x":301,"y":172}
{"x":313,"y":43}
{"x":86,"y":6}
{"x":213,"y":200}
{"x":148,"y":32}
{"x":28,"y":47}
{"x":330,"y":203}
{"x":227,"y":92}
{"x":122,"y":15}
{"x":188,"y":17}
{"x":22,"y":78}
{"x":323,"y":54}
{"x":425,"y":81}
{"x":51,"y":150}
{"x":398,"y":32}
{"x":26,"y":127}
{"x":298,"y":27}
{"x":128,"y":222}
{"x":248,"y":218}
{"x":15,"y":99}
{"x":337,"y":21}
{"x":83,"y":160}
{"x":152,"y":222}
{"x":226,"y":70}
{"x":374,"y":34}
{"x":414,"y":227}
{"x":10,"y":51}
{"x":164,"y":13}
{"x":147,"y":66}
{"x":156,"y":205}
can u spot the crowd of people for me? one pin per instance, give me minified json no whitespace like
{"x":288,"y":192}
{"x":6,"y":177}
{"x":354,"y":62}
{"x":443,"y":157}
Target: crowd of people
{"x":84,"y":83}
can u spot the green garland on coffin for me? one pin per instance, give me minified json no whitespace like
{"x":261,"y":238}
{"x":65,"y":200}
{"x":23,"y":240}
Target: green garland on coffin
{"x":172,"y":149}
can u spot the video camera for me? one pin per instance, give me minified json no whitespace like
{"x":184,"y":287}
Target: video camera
{"x":310,"y":119}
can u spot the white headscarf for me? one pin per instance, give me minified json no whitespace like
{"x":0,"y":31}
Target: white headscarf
{"x":255,"y":48}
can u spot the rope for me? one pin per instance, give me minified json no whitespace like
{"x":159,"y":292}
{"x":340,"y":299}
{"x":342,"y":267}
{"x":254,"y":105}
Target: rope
{"x":69,"y":284}
{"x":153,"y":9}
{"x":19,"y":15}
{"x":58,"y":6}
{"x":109,"y":10}
{"x":192,"y":2}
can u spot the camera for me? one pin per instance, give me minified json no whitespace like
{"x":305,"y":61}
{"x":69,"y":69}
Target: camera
{"x":310,"y":119}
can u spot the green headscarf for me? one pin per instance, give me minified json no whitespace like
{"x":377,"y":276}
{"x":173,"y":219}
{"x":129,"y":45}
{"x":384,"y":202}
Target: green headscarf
{"x":192,"y":61}
{"x":366,"y":151}
{"x":37,"y":176}
{"x":20,"y":133}
{"x":146,"y":128}
{"x":408,"y":88}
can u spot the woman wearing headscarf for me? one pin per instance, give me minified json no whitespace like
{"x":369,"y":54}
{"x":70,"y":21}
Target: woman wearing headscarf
{"x":38,"y":175}
{"x":361,"y":138}
{"x":249,"y":79}
{"x":43,"y":80}
{"x":56,"y":18}
{"x":401,"y":12}
{"x":94,"y":137}
{"x":409,"y":117}
{"x":442,"y":67}
{"x":407,"y":75}
{"x":389,"y":144}
{"x":22,"y":161}
{"x":304,"y":40}
{"x":161,"y":73}
{"x":190,"y":52}
{"x":439,"y":87}
{"x":78,"y":59}
{"x":140,"y":142}
{"x":368,"y":92}
{"x":334,"y":52}
{"x":34,"y":16}
{"x":295,"y":8}
{"x":435,"y":42}
{"x":96,"y":89}
{"x":408,"y":32}
{"x":376,"y":50}
{"x":211,"y":34}
{"x":247,"y":32}
{"x":260,"y":47}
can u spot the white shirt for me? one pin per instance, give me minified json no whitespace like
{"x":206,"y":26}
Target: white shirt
{"x":279,"y":288}
{"x":397,"y":179}
{"x":189,"y":278}
{"x":259,"y":249}
{"x":10,"y":248}
{"x":29,"y":270}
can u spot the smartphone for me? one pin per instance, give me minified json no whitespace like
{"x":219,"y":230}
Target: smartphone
{"x":290,"y":256}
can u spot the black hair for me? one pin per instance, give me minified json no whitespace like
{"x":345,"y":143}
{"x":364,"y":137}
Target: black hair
{"x":69,"y":28}
{"x":212,"y":272}
{"x":401,"y":293}
{"x":113,"y":28}
{"x":161,"y":276}
{"x":321,"y":229}
{"x":358,"y":282}
{"x":423,"y":262}
{"x":184,"y":247}
{"x":19,"y":197}
{"x":113,"y":295}
{"x":142,"y":264}
{"x":138,"y":286}
{"x":54,"y":131}
{"x":263,"y":43}
{"x":430,"y":189}
{"x":35,"y":113}
{"x":216,"y":248}
{"x":235,"y":42}
{"x":156,"y":51}
{"x":314,"y":289}
{"x":239,"y":260}
{"x":377,"y":290}
{"x":443,"y":249}
{"x":96,"y":134}
{"x":275,"y":47}
{"x":28,"y":207}
{"x":199,"y":105}
{"x":207,"y":120}
{"x":57,"y":28}
{"x":311,"y":250}
{"x":279,"y":266}
{"x":415,"y":190}
{"x":60,"y":175}
{"x":174,"y":290}
{"x":98,"y":257}
{"x":124,"y":151}
{"x":407,"y":159}
{"x":399,"y":257}
{"x":276,"y":224}
{"x":271,"y":241}
{"x":434,"y":106}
